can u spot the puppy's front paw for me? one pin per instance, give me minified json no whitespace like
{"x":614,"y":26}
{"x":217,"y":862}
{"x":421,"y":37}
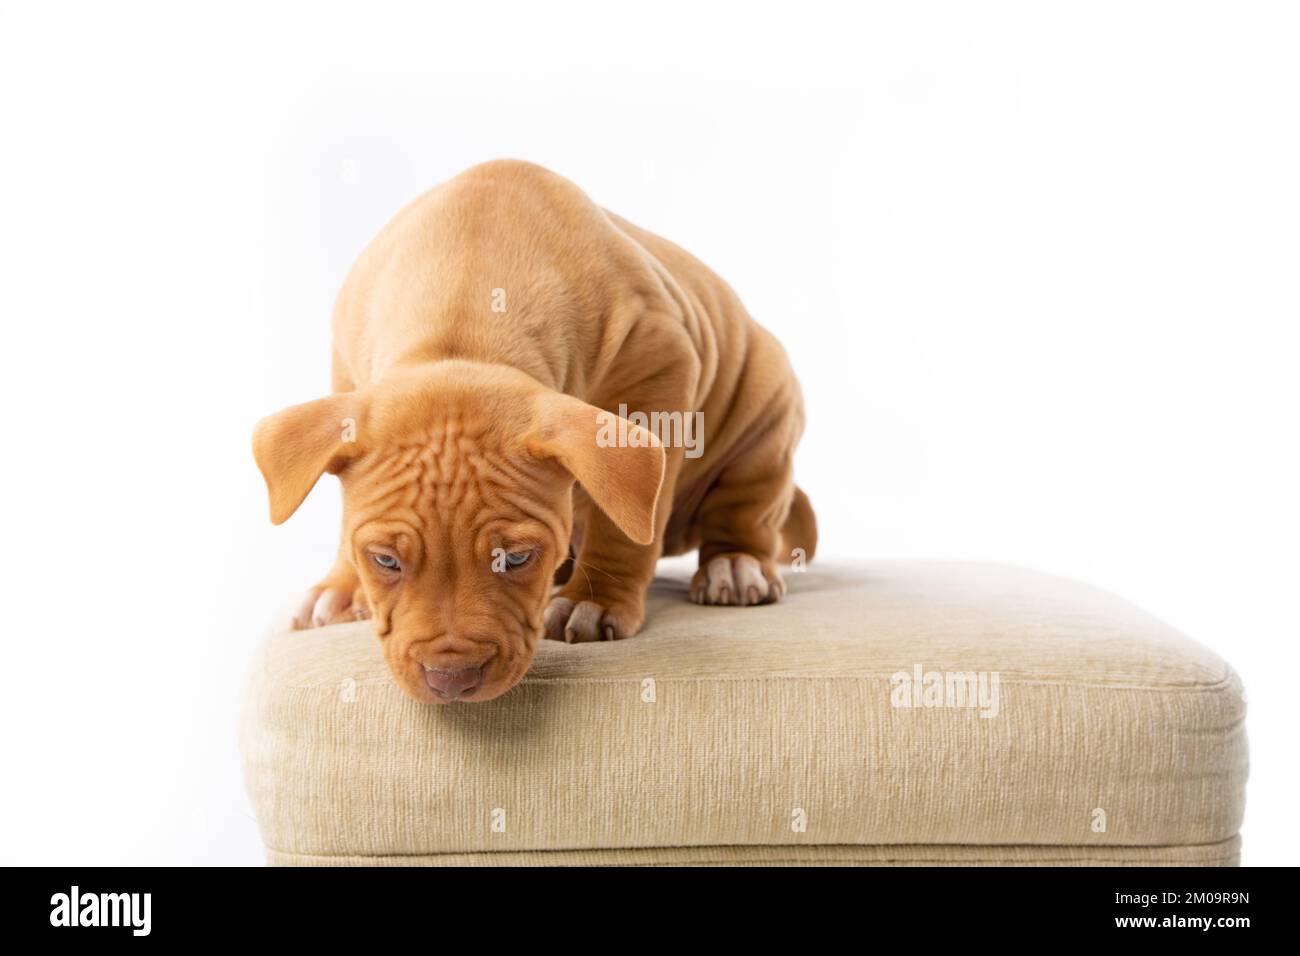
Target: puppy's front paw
{"x":330,"y":604}
{"x":737,"y":579}
{"x":582,"y":621}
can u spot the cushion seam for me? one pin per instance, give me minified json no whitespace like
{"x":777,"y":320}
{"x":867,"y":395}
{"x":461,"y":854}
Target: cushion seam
{"x":1224,"y":844}
{"x":1228,"y":681}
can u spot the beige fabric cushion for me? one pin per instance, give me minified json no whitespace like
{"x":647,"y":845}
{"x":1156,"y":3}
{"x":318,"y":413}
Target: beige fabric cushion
{"x":773,"y":735}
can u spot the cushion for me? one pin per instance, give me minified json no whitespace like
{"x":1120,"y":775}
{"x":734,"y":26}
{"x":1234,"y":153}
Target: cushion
{"x":882,"y":713}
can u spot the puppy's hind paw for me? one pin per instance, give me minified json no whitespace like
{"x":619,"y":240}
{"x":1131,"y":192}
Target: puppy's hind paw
{"x":737,"y":579}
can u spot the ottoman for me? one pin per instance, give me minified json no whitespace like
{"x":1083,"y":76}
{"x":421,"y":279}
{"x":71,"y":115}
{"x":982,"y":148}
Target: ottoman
{"x":899,"y":713}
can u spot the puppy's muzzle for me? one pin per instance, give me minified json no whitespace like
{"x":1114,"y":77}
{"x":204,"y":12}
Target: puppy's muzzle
{"x":453,"y":684}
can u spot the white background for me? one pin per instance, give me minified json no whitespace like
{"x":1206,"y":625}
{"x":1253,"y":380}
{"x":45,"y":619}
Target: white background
{"x":1036,"y":265}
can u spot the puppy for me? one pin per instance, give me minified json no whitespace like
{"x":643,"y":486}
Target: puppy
{"x":516,"y":373}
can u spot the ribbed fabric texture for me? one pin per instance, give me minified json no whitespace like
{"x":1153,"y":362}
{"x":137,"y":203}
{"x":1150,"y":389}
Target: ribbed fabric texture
{"x":771,"y":735}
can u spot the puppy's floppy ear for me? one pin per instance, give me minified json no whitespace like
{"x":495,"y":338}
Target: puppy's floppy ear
{"x":621,"y":465}
{"x":295,"y":447}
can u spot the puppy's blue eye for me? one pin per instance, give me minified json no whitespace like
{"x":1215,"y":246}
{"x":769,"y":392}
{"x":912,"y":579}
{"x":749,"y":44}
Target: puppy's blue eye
{"x":518,"y":559}
{"x":387,"y":562}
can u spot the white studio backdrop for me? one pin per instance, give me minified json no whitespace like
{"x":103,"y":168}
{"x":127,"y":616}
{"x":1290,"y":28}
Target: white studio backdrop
{"x":1035,"y":265}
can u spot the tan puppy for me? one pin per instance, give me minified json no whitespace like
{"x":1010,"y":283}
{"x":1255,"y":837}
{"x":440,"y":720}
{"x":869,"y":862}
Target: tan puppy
{"x":481,"y":343}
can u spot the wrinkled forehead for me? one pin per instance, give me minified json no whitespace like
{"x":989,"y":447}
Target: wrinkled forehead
{"x":453,"y":476}
{"x":453,"y":403}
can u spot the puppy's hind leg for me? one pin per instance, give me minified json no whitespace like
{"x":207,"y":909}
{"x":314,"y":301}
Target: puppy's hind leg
{"x":739,"y":525}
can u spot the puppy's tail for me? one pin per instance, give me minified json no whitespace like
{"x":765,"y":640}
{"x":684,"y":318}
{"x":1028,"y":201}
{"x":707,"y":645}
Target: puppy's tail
{"x":799,"y":533}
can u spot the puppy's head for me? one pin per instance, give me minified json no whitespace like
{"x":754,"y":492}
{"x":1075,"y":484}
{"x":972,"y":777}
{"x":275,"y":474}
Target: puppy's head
{"x":457,"y":508}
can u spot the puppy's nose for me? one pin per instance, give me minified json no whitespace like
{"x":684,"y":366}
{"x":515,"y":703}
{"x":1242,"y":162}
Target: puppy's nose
{"x":453,"y":683}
